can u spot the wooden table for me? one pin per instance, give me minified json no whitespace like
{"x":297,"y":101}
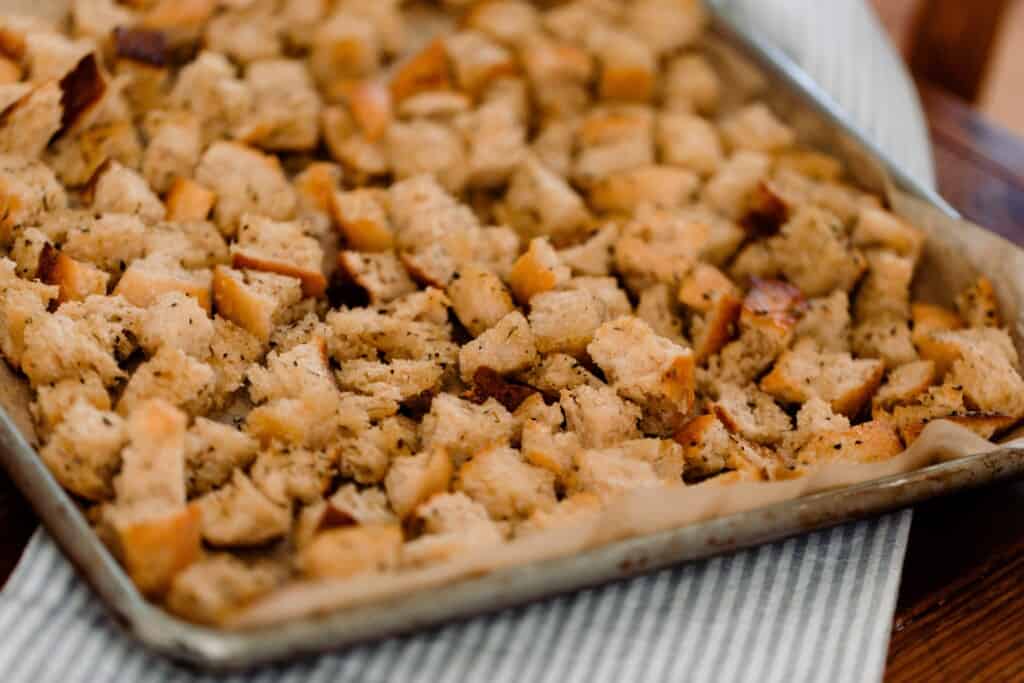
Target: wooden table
{"x":961,"y":605}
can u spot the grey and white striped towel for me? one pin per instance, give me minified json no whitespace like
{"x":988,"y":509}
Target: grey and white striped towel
{"x":815,"y":608}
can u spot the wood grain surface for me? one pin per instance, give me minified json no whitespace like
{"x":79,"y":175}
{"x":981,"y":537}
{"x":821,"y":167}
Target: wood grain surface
{"x":960,"y":615}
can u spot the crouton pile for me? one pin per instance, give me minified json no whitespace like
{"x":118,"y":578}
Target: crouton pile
{"x":312,"y":289}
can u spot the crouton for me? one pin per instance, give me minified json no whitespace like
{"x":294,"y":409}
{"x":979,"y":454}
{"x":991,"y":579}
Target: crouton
{"x":422,"y":146}
{"x":462,"y":428}
{"x":757,"y":129}
{"x":172,"y":376}
{"x":363,"y":219}
{"x":666,"y":25}
{"x":496,"y":142}
{"x":454,"y":524}
{"x":350,"y":505}
{"x":172,"y":152}
{"x":291,"y":373}
{"x":814,"y":255}
{"x":28,"y":190}
{"x":560,"y":74}
{"x":929,"y":318}
{"x":565,"y":321}
{"x":751,"y":413}
{"x":84,"y":451}
{"x":53,"y":401}
{"x":479,"y":298}
{"x":367,"y":333}
{"x":209,"y":88}
{"x":359,"y":155}
{"x":476,"y":61}
{"x":905,"y":383}
{"x":814,"y":417}
{"x":703,"y":286}
{"x":510,"y":346}
{"x":153,"y":462}
{"x":26,"y":249}
{"x":610,"y":472}
{"x":538,"y":270}
{"x":729,"y":189}
{"x":556,"y":372}
{"x":507,"y":486}
{"x":254,"y":301}
{"x":628,"y":66}
{"x":55,"y":346}
{"x":599,"y":416}
{"x":540,"y":203}
{"x":109,"y":242}
{"x":244,"y":181}
{"x":117,"y":189}
{"x":606,"y":290}
{"x":551,"y":449}
{"x":691,"y":142}
{"x":827,"y":322}
{"x":244,"y":33}
{"x":885,"y":292}
{"x":147,"y":279}
{"x":985,"y":364}
{"x":350,"y":551}
{"x":75,"y":158}
{"x":213,"y":451}
{"x":240,"y":515}
{"x":282,"y":248}
{"x":368,"y":454}
{"x":978,"y":305}
{"x":593,"y":257}
{"x":844,"y":382}
{"x":412,"y":480}
{"x":232,"y":350}
{"x":712,"y":331}
{"x":210,"y":589}
{"x":155,"y":545}
{"x":285,"y":114}
{"x":286,"y":474}
{"x":690,"y":84}
{"x":187,"y":201}
{"x":878,"y":228}
{"x":660,"y":186}
{"x":399,"y":380}
{"x":76,"y":280}
{"x":657,"y":307}
{"x":381,"y":276}
{"x":177,"y":321}
{"x":869,"y":442}
{"x":507,"y":21}
{"x":888,"y":338}
{"x":28,"y":125}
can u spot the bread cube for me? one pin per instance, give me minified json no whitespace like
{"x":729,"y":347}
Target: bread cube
{"x":539,"y":202}
{"x":156,"y":544}
{"x":477,"y":61}
{"x":412,"y":480}
{"x":827,"y":322}
{"x":286,"y":474}
{"x":814,"y":256}
{"x":628,"y":65}
{"x":689,"y":141}
{"x":510,"y":346}
{"x":76,"y":280}
{"x":291,"y":373}
{"x":367,"y":455}
{"x":285,"y":114}
{"x":153,"y":462}
{"x":463,"y":428}
{"x":599,"y":415}
{"x":350,"y":505}
{"x":565,"y":321}
{"x":187,"y":200}
{"x":730,"y":188}
{"x":351,"y":551}
{"x":175,"y":143}
{"x":116,"y":189}
{"x":844,"y":382}
{"x":978,"y":305}
{"x":254,"y":301}
{"x":507,"y":486}
{"x":84,"y":451}
{"x":538,"y":270}
{"x":869,"y":442}
{"x":239,"y":515}
{"x":210,"y":589}
{"x":209,"y":88}
{"x":751,"y":413}
{"x":904,"y":384}
{"x":177,"y":321}
{"x":363,"y":218}
{"x":171,"y":376}
{"x":28,"y":190}
{"x":756,"y":128}
{"x":244,"y":181}
{"x":213,"y":451}
{"x":147,"y":279}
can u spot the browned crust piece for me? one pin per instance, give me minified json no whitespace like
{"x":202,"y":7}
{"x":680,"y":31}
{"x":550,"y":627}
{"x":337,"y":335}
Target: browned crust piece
{"x":869,"y":442}
{"x":141,"y":45}
{"x":76,"y":280}
{"x":82,"y":89}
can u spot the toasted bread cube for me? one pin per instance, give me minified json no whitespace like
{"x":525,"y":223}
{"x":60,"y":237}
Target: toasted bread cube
{"x":691,"y":142}
{"x":53,"y":401}
{"x":885,"y":292}
{"x":476,"y":61}
{"x":814,"y":417}
{"x":28,"y":190}
{"x":878,"y":228}
{"x":109,"y":242}
{"x":929,"y":318}
{"x":610,"y":472}
{"x":209,"y":88}
{"x":232,"y":351}
{"x":463,"y":428}
{"x":628,"y":65}
{"x":244,"y":34}
{"x":565,"y":321}
{"x":147,"y":279}
{"x":363,"y":218}
{"x":368,"y":454}
{"x":599,"y":416}
{"x":657,"y":307}
{"x":55,"y":347}
{"x":84,"y":451}
{"x":712,"y":331}
{"x":556,"y":372}
{"x":593,"y":257}
{"x":612,"y":142}
{"x":812,"y":164}
{"x":285,"y":114}
{"x":496,"y":141}
{"x":280,"y":247}
{"x":244,"y":181}
{"x":210,"y":589}
{"x":178,"y":15}
{"x":551,"y":450}
{"x":412,"y":480}
{"x":730,"y":188}
{"x":751,"y":413}
{"x":240,"y":515}
{"x":212,"y":452}
{"x":350,"y":505}
{"x":479,"y":298}
{"x":368,"y":333}
{"x":344,"y":46}
{"x":573,"y":509}
{"x":814,"y":256}
{"x":455,"y":525}
{"x":172,"y":376}
{"x":175,"y":143}
{"x":254,"y":301}
{"x":703,"y":286}
{"x":76,"y":157}
{"x":117,"y":189}
{"x":316,"y":186}
{"x":28,"y":125}
{"x":660,"y":186}
{"x":888,"y":338}
{"x":358,"y":154}
{"x":350,"y":551}
{"x":286,"y":474}
{"x":869,"y":442}
{"x":667,"y":25}
{"x":978,"y":305}
{"x":507,"y":486}
{"x":536,"y":271}
{"x":905,"y":383}
{"x":707,"y":445}
{"x":153,"y":462}
{"x":606,"y":290}
{"x":827,"y":322}
{"x":188,"y":201}
{"x":422,"y":146}
{"x":399,"y":380}
{"x":756,"y":128}
{"x":156,"y":545}
{"x":844,"y":382}
{"x":541,"y":203}
{"x":691,"y":85}
{"x":77,"y":281}
{"x":291,"y":373}
{"x":426,"y":71}
{"x":510,"y":346}
{"x":985,"y":364}
{"x":507,"y":21}
{"x":382,"y":276}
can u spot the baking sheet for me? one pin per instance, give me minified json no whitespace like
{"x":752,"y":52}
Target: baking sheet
{"x":637,"y":533}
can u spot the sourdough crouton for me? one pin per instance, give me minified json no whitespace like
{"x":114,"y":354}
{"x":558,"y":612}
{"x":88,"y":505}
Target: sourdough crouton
{"x":844,"y":382}
{"x":540,"y":203}
{"x":544,"y":446}
{"x":412,"y":480}
{"x":978,"y":305}
{"x":285,"y":114}
{"x":155,"y":544}
{"x":84,"y":451}
{"x":986,"y":366}
{"x":703,"y":286}
{"x":255,"y":301}
{"x":599,"y":416}
{"x":282,"y":248}
{"x":427,"y":147}
{"x":691,"y":85}
{"x":147,"y":279}
{"x":729,"y":189}
{"x":536,"y":271}
{"x":885,"y":338}
{"x":363,"y":219}
{"x":28,"y":125}
{"x":213,"y":451}
{"x":239,"y":515}
{"x":28,"y":190}
{"x":367,"y":333}
{"x":208,"y":87}
{"x":53,"y":401}
{"x":172,"y":376}
{"x":351,"y":505}
{"x":350,"y":551}
{"x":187,"y":200}
{"x":496,"y":140}
{"x":76,"y":157}
{"x":479,"y":298}
{"x":926,"y":319}
{"x":455,"y":525}
{"x":117,"y":189}
{"x":153,"y":462}
{"x":712,"y":331}
{"x":109,"y":242}
{"x":232,"y":351}
{"x":610,"y":472}
{"x":77,"y":281}
{"x":593,"y":257}
{"x":510,"y":346}
{"x":291,"y":373}
{"x":210,"y":589}
{"x":556,"y":372}
{"x":869,"y":442}
{"x":382,"y":276}
{"x":885,"y":292}
{"x":652,"y":185}
{"x":628,"y":65}
{"x":177,"y":321}
{"x":905,"y":383}
{"x":691,"y":142}
{"x":399,"y":380}
{"x":565,"y":321}
{"x":463,"y":428}
{"x":657,"y":307}
{"x":507,"y":486}
{"x":814,"y":255}
{"x":172,"y":152}
{"x":814,"y":417}
{"x":368,"y":454}
{"x":359,"y":155}
{"x":245,"y":181}
{"x":287,"y":474}
{"x":756,"y":128}
{"x":827,"y":322}
{"x":195,"y":244}
{"x":57,"y":346}
{"x":751,"y":413}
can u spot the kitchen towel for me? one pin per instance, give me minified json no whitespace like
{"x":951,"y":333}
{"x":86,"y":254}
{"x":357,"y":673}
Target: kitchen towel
{"x":814,"y":608}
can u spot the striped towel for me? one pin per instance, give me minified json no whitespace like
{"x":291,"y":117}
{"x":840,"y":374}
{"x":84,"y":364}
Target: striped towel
{"x":815,"y":608}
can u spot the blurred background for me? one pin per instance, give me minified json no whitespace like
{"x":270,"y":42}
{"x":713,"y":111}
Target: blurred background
{"x":971,"y":49}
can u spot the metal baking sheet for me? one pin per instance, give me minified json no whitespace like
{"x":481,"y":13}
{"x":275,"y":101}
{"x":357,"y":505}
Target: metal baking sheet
{"x":821,"y":122}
